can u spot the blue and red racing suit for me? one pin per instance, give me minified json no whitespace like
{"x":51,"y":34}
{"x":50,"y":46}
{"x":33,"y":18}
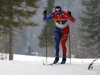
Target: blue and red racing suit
{"x":61,"y":30}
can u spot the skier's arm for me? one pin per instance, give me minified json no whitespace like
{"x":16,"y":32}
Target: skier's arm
{"x":48,"y":17}
{"x":70,"y":17}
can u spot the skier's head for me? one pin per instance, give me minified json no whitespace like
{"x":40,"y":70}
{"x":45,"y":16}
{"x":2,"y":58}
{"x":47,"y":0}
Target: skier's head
{"x":58,"y":10}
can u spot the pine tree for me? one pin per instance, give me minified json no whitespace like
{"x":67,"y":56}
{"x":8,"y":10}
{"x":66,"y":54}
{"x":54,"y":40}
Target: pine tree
{"x":50,"y":30}
{"x":90,"y":29}
{"x":14,"y":14}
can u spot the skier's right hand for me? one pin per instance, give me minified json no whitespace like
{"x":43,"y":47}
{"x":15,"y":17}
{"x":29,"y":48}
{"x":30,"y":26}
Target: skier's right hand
{"x":45,"y":16}
{"x":45,"y":12}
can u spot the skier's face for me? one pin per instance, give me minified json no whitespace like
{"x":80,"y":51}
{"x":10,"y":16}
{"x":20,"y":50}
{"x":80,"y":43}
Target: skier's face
{"x":58,"y":13}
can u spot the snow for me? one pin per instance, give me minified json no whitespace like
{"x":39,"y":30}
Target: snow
{"x":33,"y":65}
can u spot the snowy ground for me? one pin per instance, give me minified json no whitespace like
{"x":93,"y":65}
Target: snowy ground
{"x":32,"y":65}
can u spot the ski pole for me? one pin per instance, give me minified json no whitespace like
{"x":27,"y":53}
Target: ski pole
{"x":45,"y":13}
{"x":69,"y":48}
{"x":46,"y":42}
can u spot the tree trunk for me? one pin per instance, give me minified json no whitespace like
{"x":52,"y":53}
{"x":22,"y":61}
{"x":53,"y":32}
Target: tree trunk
{"x":6,"y":49}
{"x":11,"y":44}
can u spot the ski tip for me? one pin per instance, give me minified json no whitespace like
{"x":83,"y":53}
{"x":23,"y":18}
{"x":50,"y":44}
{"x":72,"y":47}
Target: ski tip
{"x":51,"y":64}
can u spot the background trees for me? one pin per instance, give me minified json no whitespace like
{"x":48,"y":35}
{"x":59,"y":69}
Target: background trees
{"x":90,"y":29}
{"x":14,"y":14}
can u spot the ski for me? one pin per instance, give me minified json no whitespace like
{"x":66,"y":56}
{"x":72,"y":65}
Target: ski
{"x":52,"y":64}
{"x":49,"y":64}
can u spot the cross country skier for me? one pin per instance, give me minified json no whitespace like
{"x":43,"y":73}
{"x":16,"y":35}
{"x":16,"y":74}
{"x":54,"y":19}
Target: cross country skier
{"x":61,"y":31}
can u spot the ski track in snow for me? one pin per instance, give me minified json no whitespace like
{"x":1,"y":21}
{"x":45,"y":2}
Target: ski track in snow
{"x":31,"y":65}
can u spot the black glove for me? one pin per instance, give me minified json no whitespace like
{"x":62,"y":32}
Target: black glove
{"x":69,"y":13}
{"x":45,"y":12}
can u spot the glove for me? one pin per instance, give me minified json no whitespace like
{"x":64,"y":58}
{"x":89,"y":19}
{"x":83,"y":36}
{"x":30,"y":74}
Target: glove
{"x":69,"y":13}
{"x":45,"y":12}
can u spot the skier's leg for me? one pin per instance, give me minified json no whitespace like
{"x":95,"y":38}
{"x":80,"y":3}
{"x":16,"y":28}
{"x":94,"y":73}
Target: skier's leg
{"x":58,"y":36}
{"x":65,"y":33}
{"x":57,"y":40}
{"x":64,"y":48}
{"x":63,"y":43}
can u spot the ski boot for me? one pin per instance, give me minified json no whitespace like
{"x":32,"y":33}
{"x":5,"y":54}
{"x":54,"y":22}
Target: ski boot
{"x":56,"y":59}
{"x":63,"y":59}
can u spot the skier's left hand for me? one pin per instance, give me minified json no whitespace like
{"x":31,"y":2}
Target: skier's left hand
{"x":69,"y":13}
{"x":45,"y":12}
